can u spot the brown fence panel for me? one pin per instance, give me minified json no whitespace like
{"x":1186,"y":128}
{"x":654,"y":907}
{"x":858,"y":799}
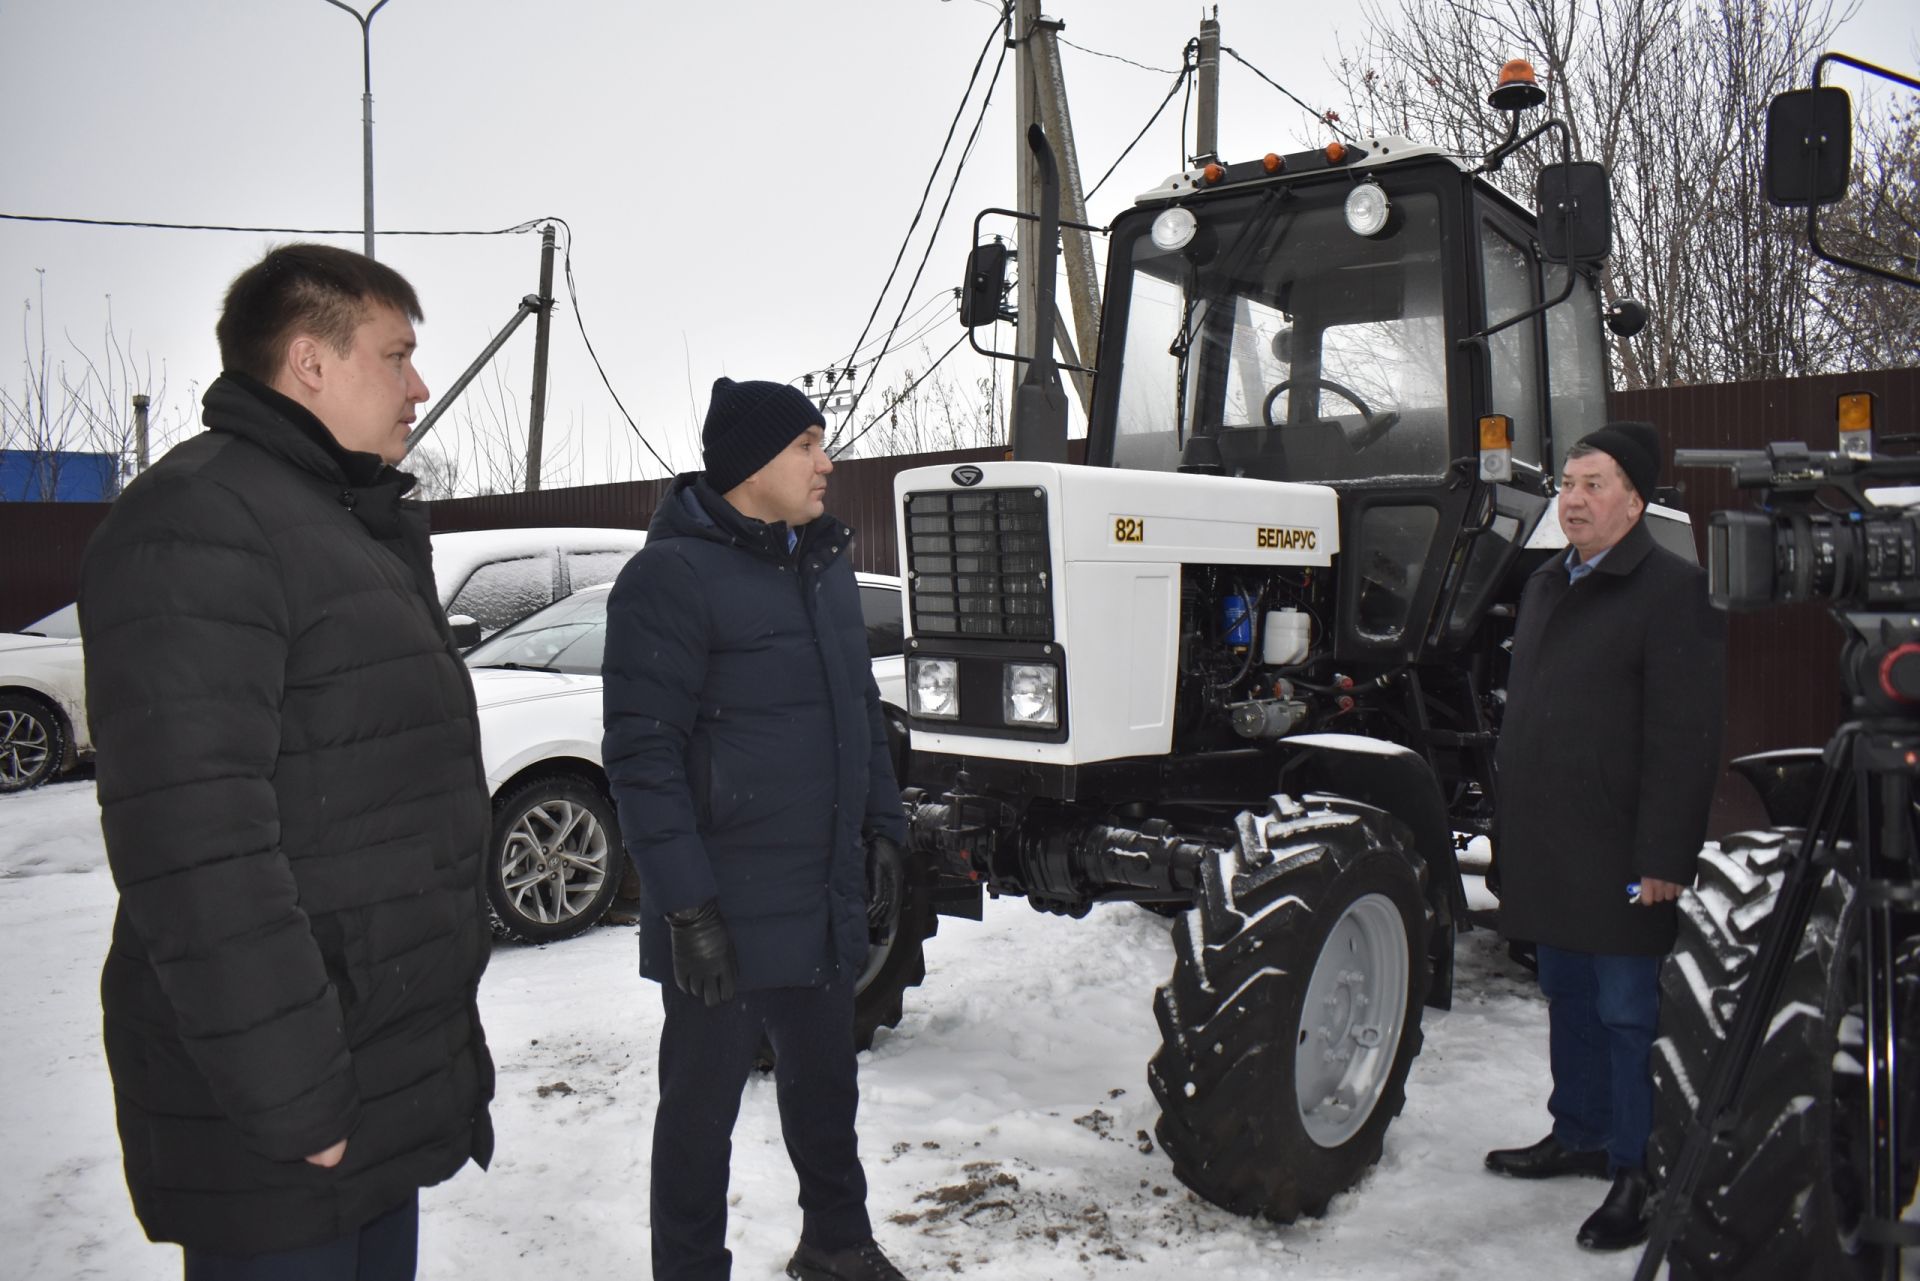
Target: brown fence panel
{"x":40,"y":548}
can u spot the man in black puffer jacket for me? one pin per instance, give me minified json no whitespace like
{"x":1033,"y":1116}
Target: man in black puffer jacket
{"x":749,"y":760}
{"x":293,"y":803}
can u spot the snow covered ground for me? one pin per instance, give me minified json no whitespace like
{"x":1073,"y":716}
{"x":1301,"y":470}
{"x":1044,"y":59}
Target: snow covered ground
{"x":1002,"y":1124}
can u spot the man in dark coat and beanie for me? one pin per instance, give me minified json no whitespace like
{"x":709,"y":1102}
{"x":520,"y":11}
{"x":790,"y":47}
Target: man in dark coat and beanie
{"x":1607,"y":761}
{"x":293,"y":804}
{"x":748,"y":758}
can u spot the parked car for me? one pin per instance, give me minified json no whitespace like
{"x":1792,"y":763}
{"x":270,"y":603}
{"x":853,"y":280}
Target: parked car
{"x":556,"y":861}
{"x":499,"y":576}
{"x":43,"y":701}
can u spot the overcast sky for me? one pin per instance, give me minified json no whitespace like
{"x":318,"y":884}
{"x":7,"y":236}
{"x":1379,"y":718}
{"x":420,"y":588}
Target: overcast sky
{"x":738,"y":174}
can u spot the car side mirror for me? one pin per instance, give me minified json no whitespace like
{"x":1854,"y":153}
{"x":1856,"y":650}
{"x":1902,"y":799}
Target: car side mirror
{"x":1809,"y":147}
{"x":466,"y":631}
{"x":1576,"y":212}
{"x":986,"y":285}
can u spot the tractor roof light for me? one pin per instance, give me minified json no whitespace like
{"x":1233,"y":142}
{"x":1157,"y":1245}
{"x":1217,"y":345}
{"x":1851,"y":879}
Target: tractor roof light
{"x":1213,"y":173}
{"x":1367,"y":209}
{"x":1336,"y":152}
{"x":1518,"y":88}
{"x":1273,"y":163}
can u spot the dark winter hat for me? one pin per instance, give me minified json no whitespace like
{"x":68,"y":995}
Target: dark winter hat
{"x":1636,"y":447}
{"x":747,"y":424}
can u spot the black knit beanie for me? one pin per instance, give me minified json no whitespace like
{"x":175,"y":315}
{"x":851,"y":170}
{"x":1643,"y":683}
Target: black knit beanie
{"x":1636,"y":447}
{"x":747,"y":424}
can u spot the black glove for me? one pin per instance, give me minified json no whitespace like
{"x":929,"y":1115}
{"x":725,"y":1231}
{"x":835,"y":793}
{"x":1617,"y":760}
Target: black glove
{"x":703,"y":962}
{"x":883,"y":883}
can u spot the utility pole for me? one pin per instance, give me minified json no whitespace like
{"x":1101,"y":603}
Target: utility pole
{"x":1083,"y":281}
{"x":140,"y":403}
{"x":366,"y":113}
{"x":1031,"y":327}
{"x":542,"y":326}
{"x":1206,"y":137}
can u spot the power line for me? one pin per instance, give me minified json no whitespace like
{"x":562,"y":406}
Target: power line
{"x":904,"y":392}
{"x":573,"y":296}
{"x":939,"y":221}
{"x":1116,"y":57}
{"x":1328,"y":117}
{"x":530,"y":225}
{"x":1179,"y":80}
{"x":993,"y":35}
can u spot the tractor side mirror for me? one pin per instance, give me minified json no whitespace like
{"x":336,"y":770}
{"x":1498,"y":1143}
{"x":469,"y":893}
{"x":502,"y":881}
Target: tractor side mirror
{"x":1576,"y":212}
{"x":986,"y":285}
{"x":1809,"y":147}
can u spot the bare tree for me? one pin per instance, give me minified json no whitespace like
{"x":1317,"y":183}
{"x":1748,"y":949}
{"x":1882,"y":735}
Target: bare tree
{"x":82,"y":403}
{"x":1671,"y":98}
{"x":929,"y":412}
{"x":1877,"y":322}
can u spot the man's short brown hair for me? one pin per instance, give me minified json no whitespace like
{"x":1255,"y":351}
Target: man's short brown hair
{"x":303,"y":288}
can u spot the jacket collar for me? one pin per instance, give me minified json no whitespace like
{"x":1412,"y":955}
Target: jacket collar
{"x":691,"y":509}
{"x":1621,"y":559}
{"x":246,"y":407}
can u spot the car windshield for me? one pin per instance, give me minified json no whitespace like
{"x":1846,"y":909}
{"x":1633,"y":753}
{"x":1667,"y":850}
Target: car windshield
{"x":567,"y":636}
{"x":62,"y":623}
{"x":1304,"y":350}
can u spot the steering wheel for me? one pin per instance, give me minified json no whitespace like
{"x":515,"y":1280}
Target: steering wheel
{"x":1376,"y":424}
{"x":1345,"y":393}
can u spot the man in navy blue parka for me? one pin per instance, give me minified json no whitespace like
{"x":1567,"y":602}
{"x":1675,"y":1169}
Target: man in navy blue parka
{"x":748,"y":759}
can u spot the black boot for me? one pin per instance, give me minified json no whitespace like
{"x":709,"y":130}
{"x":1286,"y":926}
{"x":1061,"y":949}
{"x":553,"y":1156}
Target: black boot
{"x":855,"y":1263}
{"x":1547,"y":1159}
{"x":1621,"y":1220}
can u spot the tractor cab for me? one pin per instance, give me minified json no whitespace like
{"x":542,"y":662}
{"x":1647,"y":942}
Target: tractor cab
{"x":1376,"y":318}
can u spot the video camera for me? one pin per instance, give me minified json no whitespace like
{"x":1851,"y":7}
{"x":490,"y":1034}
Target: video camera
{"x":1842,"y":527}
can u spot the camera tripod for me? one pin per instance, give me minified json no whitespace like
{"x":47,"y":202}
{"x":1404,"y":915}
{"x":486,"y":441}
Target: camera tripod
{"x":1862,"y":826}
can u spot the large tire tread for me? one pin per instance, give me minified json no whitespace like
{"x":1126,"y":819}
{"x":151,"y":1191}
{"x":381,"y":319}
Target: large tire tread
{"x":1765,"y":1206}
{"x":1228,"y":1016}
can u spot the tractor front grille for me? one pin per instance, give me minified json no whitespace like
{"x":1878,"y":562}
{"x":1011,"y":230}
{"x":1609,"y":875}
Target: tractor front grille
{"x":977,"y":564}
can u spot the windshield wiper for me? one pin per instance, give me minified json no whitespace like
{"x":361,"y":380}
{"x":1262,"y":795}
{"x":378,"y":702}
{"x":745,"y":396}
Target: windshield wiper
{"x":512,"y":667}
{"x":1272,"y":201}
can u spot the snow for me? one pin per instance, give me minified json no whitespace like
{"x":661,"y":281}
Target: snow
{"x":1002,"y":1124}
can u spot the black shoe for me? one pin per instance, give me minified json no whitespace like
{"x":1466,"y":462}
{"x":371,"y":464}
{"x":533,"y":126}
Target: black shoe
{"x":1547,"y":1159}
{"x":855,"y":1263}
{"x":1621,"y":1220}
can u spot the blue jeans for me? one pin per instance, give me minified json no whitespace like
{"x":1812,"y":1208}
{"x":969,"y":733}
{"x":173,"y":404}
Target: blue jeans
{"x":384,"y":1250}
{"x":1602,"y":1015}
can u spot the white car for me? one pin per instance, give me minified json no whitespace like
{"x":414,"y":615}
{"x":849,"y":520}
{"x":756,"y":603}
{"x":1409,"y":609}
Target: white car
{"x":43,"y":701}
{"x":556,"y":860}
{"x":499,"y":576}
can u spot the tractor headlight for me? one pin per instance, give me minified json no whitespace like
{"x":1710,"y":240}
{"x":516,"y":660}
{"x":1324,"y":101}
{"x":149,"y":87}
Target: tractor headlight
{"x":933,"y":688}
{"x":1031,"y":694}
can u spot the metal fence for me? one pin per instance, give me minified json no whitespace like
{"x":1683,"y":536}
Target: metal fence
{"x":1783,"y":684}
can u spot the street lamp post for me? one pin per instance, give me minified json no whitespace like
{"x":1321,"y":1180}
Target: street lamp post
{"x":366,"y":107}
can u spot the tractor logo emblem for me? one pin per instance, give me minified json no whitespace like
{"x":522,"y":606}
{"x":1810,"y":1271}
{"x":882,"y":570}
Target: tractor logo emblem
{"x":968,"y":475}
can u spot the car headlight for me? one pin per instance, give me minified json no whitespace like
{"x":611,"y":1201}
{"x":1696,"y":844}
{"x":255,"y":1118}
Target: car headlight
{"x":1031,"y":694}
{"x":933,"y":688}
